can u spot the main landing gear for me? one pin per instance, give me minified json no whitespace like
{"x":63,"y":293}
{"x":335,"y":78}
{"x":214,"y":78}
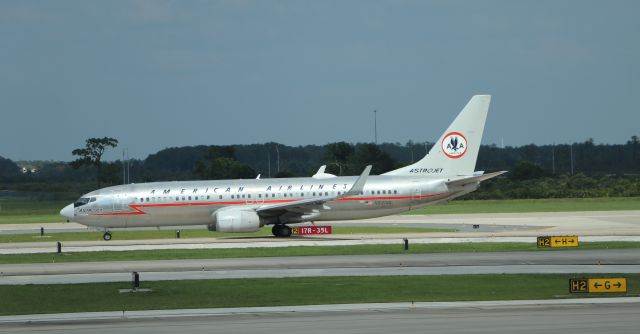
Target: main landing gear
{"x":281,"y":231}
{"x":106,"y":236}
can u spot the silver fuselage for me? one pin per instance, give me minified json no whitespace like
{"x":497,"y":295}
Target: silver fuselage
{"x":193,"y":202}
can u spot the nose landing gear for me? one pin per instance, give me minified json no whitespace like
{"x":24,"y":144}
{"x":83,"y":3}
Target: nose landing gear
{"x":281,"y":231}
{"x":106,"y":236}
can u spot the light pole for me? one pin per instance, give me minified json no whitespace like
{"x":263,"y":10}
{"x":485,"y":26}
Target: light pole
{"x":339,"y":167}
{"x":553,"y":158}
{"x":269,"y":161}
{"x":277,"y":159}
{"x":124,"y":169}
{"x":375,"y":126}
{"x":571,"y":153}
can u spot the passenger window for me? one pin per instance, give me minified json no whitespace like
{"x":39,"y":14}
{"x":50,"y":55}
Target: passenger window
{"x":189,"y":197}
{"x":301,"y":194}
{"x":259,"y":195}
{"x":249,"y":196}
{"x":142,"y":200}
{"x":378,"y":192}
{"x":220,"y":196}
{"x":373,"y":192}
{"x":231,"y":196}
{"x":196,"y":198}
{"x":285,"y":195}
{"x":395,"y":191}
{"x":384,"y":192}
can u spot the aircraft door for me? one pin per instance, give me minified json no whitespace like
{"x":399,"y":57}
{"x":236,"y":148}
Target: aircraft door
{"x":120,"y":203}
{"x":416,"y":192}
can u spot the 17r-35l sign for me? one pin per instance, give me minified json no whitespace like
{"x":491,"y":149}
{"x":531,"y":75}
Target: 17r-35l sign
{"x":306,"y":230}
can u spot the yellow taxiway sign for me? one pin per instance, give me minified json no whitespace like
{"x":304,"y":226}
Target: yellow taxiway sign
{"x":597,"y":285}
{"x":565,"y":241}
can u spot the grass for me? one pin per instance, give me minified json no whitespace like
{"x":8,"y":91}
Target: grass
{"x":94,"y":297}
{"x":177,"y":254}
{"x":533,"y":205}
{"x":197,"y":233}
{"x":26,"y":211}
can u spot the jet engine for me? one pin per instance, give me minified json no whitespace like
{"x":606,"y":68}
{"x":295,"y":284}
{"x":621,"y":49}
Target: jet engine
{"x":235,"y":220}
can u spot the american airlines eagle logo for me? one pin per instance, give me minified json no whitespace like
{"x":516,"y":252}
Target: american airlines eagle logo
{"x":454,"y":145}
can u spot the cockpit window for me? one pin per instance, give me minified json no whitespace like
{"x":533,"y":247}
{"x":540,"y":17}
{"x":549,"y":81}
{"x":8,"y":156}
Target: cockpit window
{"x":93,"y":199}
{"x":80,"y":202}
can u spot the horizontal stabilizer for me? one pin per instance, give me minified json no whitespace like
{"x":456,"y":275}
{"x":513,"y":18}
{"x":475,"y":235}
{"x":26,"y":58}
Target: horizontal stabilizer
{"x":473,"y":179}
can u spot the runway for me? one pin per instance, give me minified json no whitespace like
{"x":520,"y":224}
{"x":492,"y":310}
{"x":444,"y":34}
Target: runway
{"x":587,"y":261}
{"x":264,"y":242}
{"x":595,"y":315}
{"x":508,"y":227}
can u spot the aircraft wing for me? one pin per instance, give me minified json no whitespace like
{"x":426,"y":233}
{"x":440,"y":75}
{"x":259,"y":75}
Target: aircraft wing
{"x":310,"y":204}
{"x":474,"y":179}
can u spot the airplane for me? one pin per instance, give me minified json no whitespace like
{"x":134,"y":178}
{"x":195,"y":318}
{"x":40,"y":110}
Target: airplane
{"x":246,"y":205}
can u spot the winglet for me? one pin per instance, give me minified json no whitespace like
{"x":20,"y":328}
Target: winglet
{"x":321,"y":174}
{"x":358,"y":186}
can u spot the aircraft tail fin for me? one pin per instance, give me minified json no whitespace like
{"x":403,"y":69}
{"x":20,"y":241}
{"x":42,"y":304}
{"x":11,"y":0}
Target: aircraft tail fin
{"x":456,"y":151}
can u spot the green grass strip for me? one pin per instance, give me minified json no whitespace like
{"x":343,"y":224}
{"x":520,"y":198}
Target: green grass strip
{"x":533,"y":205}
{"x":198,"y":233}
{"x":32,"y":299}
{"x":177,"y":254}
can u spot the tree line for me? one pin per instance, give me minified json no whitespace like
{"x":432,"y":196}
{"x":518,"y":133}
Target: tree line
{"x":536,"y":171}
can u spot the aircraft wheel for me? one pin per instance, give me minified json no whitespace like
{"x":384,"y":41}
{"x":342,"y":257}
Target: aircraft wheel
{"x":281,"y":231}
{"x":286,"y":231}
{"x":275,"y":230}
{"x":106,"y":236}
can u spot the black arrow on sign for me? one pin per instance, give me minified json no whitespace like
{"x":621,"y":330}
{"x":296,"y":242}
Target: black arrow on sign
{"x":597,"y":285}
{"x":618,"y":285}
{"x":557,"y":241}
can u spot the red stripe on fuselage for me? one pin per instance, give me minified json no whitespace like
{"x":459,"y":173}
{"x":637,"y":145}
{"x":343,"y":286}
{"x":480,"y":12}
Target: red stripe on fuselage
{"x":138,"y":211}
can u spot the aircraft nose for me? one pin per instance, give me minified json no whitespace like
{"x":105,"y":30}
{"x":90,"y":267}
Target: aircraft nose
{"x":68,"y":212}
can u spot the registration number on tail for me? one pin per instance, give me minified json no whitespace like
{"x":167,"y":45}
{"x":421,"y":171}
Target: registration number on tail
{"x":306,"y":230}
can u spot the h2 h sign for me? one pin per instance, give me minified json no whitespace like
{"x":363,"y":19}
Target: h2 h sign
{"x":552,"y":242}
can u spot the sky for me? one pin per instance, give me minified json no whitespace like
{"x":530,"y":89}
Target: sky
{"x":158,"y":74}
